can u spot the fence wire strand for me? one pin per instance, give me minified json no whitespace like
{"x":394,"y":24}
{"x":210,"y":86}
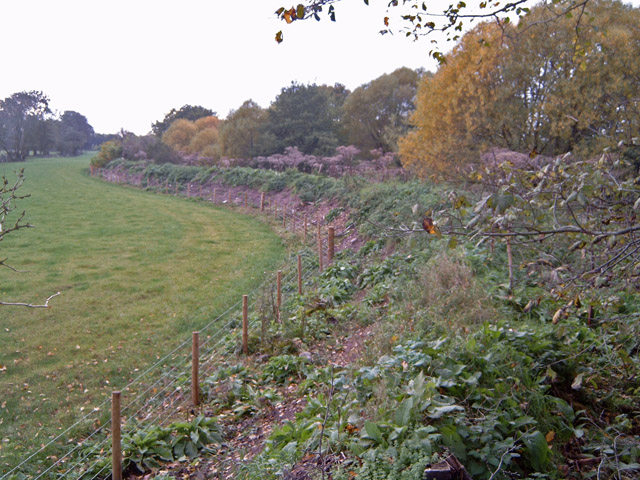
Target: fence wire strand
{"x":169,"y":392}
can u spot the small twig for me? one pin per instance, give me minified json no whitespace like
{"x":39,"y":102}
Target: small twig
{"x":30,"y":305}
{"x":506,"y":452}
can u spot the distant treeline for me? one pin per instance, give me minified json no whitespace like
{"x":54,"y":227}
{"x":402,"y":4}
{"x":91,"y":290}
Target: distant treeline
{"x":27,"y":125}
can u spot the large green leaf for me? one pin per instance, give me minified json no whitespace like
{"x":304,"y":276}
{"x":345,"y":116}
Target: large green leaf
{"x":538,"y":450}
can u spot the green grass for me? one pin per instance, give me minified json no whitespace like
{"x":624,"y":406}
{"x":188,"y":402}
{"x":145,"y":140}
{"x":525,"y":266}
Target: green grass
{"x":137,"y":273}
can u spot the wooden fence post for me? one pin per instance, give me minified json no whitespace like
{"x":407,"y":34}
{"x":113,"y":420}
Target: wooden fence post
{"x":116,"y":445}
{"x":299,"y":274}
{"x":262,"y":202}
{"x":195,"y":367}
{"x":245,"y":324}
{"x":320,"y":266}
{"x":331,"y":245}
{"x":166,"y":186}
{"x":188,"y":189}
{"x":246,"y":200}
{"x":284,"y":218}
{"x":229,"y":195}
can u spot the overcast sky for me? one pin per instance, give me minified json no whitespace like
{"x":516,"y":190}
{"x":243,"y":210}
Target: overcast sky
{"x":126,"y":63}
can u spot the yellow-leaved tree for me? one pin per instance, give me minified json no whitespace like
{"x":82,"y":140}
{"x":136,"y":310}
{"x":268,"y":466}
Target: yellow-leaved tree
{"x":198,"y":137}
{"x":543,"y":86}
{"x":454,"y":107}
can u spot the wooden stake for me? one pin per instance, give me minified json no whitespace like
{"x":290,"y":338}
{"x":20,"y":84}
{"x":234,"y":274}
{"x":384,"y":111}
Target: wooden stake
{"x":299,"y":274}
{"x":229,"y":195}
{"x":188,"y":189}
{"x":195,"y":366}
{"x":116,"y":446}
{"x":245,"y":324}
{"x":331,"y":246}
{"x":166,"y":186}
{"x":246,"y":199}
{"x":262,"y":202}
{"x":214,"y":195}
{"x":320,"y":266}
{"x":284,"y":218}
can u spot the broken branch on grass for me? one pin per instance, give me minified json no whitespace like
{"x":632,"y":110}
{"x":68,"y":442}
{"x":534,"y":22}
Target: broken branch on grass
{"x":29,"y":305}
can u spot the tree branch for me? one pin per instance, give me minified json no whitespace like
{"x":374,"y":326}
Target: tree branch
{"x":30,"y":305}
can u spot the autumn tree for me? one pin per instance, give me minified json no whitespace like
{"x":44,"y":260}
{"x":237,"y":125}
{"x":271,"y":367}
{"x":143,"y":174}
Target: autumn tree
{"x":179,"y":134}
{"x":537,"y":88}
{"x":18,"y":113}
{"x":450,"y":127}
{"x":198,"y":137}
{"x":241,"y":133}
{"x":375,"y":115}
{"x":187,"y":112}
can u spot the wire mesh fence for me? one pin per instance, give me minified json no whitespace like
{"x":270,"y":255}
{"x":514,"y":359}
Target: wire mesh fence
{"x":160,"y":394}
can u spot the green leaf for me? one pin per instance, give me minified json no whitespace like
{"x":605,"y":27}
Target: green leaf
{"x":438,"y":412}
{"x":503,"y":202}
{"x":191,"y":450}
{"x":373,"y":431}
{"x":403,"y":412}
{"x":178,"y":449}
{"x":300,"y":11}
{"x":538,"y":450}
{"x":164,"y":453}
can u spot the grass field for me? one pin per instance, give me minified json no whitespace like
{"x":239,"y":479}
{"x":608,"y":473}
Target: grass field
{"x":137,"y":273}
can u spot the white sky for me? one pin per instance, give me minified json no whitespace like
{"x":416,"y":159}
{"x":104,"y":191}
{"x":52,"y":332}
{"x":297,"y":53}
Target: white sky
{"x":126,"y":63}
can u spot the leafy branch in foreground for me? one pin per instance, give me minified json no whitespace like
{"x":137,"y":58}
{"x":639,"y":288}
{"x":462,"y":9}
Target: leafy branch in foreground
{"x":418,"y":18}
{"x":9,"y":197}
{"x":8,"y":202}
{"x":572,"y":223}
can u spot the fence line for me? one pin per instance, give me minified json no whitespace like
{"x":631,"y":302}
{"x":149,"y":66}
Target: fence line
{"x":167,"y":393}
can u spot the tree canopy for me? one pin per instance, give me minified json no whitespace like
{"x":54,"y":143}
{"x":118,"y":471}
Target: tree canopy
{"x":306,"y":117}
{"x":537,"y":87}
{"x":241,"y":133}
{"x":187,"y":112}
{"x":18,"y":113}
{"x":376,"y":114}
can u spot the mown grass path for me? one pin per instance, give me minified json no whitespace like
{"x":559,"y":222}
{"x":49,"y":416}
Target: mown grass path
{"x":137,"y":273}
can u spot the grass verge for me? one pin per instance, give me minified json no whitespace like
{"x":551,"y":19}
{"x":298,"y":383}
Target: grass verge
{"x":137,"y":272}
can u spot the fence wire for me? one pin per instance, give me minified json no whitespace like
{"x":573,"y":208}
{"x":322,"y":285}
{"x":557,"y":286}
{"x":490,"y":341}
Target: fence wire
{"x":161,"y":393}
